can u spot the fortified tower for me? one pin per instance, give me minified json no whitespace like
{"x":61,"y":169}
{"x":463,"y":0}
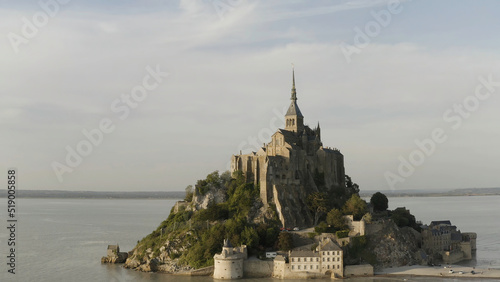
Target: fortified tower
{"x":291,"y":166}
{"x":229,"y":263}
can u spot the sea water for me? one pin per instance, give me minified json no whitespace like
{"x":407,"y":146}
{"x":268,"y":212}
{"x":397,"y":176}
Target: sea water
{"x":64,"y":239}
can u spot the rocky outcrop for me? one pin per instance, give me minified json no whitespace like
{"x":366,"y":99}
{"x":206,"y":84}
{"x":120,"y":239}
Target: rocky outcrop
{"x":291,"y":206}
{"x":119,"y":257}
{"x":164,"y":261}
{"x":215,"y":196}
{"x":393,"y":246}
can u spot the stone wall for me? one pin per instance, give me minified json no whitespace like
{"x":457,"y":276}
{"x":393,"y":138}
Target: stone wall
{"x":228,"y":268}
{"x":257,"y":268}
{"x":453,"y":257}
{"x":358,"y":270}
{"x":373,"y":228}
{"x":355,"y":227}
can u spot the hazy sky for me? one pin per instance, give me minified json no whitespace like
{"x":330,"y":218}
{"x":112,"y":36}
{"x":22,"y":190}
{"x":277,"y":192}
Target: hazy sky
{"x":153,"y":95}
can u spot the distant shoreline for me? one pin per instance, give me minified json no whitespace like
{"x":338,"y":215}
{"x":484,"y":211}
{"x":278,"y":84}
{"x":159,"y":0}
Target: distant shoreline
{"x":442,"y":193}
{"x":62,"y":194}
{"x":179,"y":195}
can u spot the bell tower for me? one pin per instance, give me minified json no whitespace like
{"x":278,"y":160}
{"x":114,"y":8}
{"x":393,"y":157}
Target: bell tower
{"x":294,"y":120}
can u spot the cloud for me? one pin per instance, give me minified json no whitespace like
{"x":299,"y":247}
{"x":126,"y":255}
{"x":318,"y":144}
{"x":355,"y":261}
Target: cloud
{"x":230,"y":76}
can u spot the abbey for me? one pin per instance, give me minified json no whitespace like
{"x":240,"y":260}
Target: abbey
{"x":291,"y":166}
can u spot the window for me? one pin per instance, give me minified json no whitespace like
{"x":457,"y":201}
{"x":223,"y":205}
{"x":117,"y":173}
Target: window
{"x":323,"y":253}
{"x":298,"y":266}
{"x":317,"y":259}
{"x":298,"y":259}
{"x":292,"y":267}
{"x":293,"y":259}
{"x":328,"y":259}
{"x":316,"y":266}
{"x":323,"y":259}
{"x":338,"y":266}
{"x":311,"y":267}
{"x":328,"y":253}
{"x":328,"y":266}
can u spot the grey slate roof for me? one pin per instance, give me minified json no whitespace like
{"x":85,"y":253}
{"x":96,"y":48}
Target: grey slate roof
{"x":227,"y":244}
{"x":330,"y":246}
{"x":446,"y":222}
{"x":294,"y":110}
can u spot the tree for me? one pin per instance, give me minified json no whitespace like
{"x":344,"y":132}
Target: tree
{"x":352,"y":188}
{"x":379,"y":202}
{"x":402,"y":217}
{"x":250,"y":237}
{"x":336,"y":219}
{"x":355,"y":206}
{"x":285,"y":241}
{"x":317,"y":202}
{"x":189,"y":193}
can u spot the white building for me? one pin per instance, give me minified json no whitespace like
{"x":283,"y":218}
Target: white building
{"x":332,"y":257}
{"x":229,"y":263}
{"x":305,"y":261}
{"x":326,"y":259}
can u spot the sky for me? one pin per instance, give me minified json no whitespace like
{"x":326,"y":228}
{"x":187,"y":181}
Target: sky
{"x":152,"y":95}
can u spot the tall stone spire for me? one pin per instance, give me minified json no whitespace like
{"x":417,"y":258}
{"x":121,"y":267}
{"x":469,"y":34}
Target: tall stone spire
{"x":294,"y":92}
{"x":293,"y":117}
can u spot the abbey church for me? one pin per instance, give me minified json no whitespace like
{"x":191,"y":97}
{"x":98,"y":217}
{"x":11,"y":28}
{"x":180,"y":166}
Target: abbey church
{"x":291,"y":166}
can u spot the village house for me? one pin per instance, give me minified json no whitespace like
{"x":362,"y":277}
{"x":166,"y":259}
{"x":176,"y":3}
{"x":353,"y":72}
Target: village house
{"x":326,"y":259}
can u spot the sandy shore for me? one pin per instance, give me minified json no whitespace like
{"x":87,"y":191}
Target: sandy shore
{"x":440,"y":271}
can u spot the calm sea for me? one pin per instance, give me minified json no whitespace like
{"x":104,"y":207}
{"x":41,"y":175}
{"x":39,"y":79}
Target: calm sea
{"x":64,"y":239}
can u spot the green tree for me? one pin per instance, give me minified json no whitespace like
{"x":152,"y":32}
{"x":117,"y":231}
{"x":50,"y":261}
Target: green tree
{"x":285,"y":241}
{"x":189,"y":193}
{"x":351,"y":187}
{"x":355,"y":206}
{"x":322,"y":227}
{"x":402,"y":217}
{"x":317,"y":202}
{"x":379,"y":202}
{"x":250,"y":237}
{"x":336,"y":219}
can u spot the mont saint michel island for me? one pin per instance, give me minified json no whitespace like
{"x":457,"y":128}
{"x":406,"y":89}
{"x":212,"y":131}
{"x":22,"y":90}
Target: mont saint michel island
{"x":287,"y":211}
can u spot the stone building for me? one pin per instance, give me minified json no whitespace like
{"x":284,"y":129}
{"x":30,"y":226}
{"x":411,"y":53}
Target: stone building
{"x":356,"y":228}
{"x":331,"y":257}
{"x":229,"y":263}
{"x":291,"y":166}
{"x":442,"y":240}
{"x":326,"y":259}
{"x":305,"y":261}
{"x":114,"y":255}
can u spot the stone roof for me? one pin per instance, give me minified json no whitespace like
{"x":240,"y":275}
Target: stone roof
{"x":113,"y":247}
{"x":279,"y":258}
{"x":294,"y":110}
{"x":439,"y":222}
{"x":329,"y":245}
{"x":227,"y":244}
{"x":304,"y":254}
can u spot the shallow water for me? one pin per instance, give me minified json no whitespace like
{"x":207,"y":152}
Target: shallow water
{"x":64,"y":239}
